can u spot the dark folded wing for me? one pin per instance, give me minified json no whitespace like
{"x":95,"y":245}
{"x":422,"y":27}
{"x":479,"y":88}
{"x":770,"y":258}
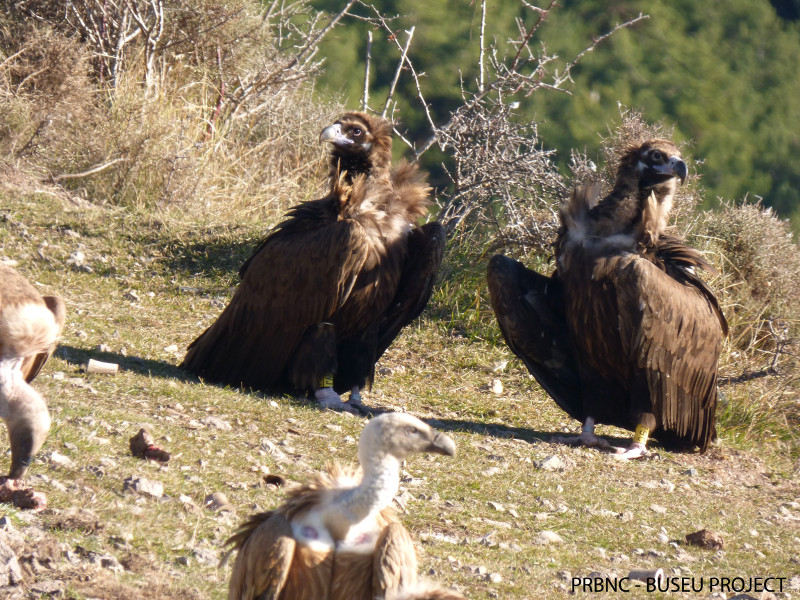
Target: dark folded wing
{"x":297,"y":278}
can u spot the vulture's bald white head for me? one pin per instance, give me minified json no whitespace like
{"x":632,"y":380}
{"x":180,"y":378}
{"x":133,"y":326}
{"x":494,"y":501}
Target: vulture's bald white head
{"x":399,"y":435}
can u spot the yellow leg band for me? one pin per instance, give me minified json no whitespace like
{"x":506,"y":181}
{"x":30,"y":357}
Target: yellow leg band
{"x":326,"y":381}
{"x":641,"y":435}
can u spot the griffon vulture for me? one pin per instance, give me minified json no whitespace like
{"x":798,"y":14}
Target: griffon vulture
{"x":337,"y":538}
{"x":326,"y":293}
{"x":625,"y":332}
{"x":29,"y":328}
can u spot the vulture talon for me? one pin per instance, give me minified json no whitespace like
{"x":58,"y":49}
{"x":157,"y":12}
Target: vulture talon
{"x":632,"y":452}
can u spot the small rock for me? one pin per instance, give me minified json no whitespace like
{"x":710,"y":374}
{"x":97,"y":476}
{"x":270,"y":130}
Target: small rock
{"x":171,"y":348}
{"x":551,"y":463}
{"x":496,"y":387}
{"x":54,"y":458}
{"x":494,"y":577}
{"x":662,"y":538}
{"x":49,"y":587}
{"x":206,"y":556}
{"x":216,"y":423}
{"x":132,"y":296}
{"x":218,"y":502}
{"x":690,"y":472}
{"x":705,"y":539}
{"x":103,"y":348}
{"x":147,"y":487}
{"x":182,"y":561}
{"x":657,"y":508}
{"x":496,"y":506}
{"x":76,"y":259}
{"x":10,"y":572}
{"x":480,"y":570}
{"x":548,"y":537}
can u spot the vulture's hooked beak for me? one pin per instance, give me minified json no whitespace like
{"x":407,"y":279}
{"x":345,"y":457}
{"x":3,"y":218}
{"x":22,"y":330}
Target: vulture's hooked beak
{"x":333,"y":134}
{"x":674,"y":167}
{"x":441,"y":444}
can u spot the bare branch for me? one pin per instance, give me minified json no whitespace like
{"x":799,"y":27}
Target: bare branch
{"x":365,"y":96}
{"x":403,"y":56}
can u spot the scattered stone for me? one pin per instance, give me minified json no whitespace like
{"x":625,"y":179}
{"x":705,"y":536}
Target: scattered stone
{"x":494,"y":577}
{"x":705,"y":539}
{"x":216,"y":423}
{"x":182,"y":561}
{"x":625,"y":516}
{"x":496,"y":506}
{"x":143,"y":486}
{"x":54,"y":458}
{"x":143,"y":446}
{"x":206,"y":556}
{"x":513,"y":513}
{"x":663,"y":538}
{"x":132,"y":296}
{"x":496,"y":387}
{"x":218,"y":502}
{"x":690,"y":472}
{"x":548,"y":537}
{"x":185,"y":289}
{"x":76,"y":259}
{"x":103,"y":348}
{"x":551,"y":463}
{"x":657,"y":508}
{"x":50,"y":587}
{"x":10,"y":573}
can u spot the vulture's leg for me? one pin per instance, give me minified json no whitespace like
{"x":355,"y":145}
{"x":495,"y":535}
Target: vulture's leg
{"x":25,"y":413}
{"x":586,"y":438}
{"x":645,"y":423}
{"x":313,"y":365}
{"x":530,"y":312}
{"x":356,"y":356}
{"x":425,"y":251}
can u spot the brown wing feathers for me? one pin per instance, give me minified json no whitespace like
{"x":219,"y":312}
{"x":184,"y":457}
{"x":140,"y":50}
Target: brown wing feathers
{"x":337,"y":260}
{"x":645,"y":331}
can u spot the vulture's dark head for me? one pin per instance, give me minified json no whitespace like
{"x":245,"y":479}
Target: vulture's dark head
{"x":655,"y":165}
{"x":361,"y":143}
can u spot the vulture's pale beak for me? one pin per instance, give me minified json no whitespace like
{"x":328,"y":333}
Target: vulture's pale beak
{"x":333,"y":134}
{"x":442,"y":444}
{"x":675,"y":167}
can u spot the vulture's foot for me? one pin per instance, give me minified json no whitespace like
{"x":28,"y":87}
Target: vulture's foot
{"x":635,"y":450}
{"x":21,"y":496}
{"x":328,"y":398}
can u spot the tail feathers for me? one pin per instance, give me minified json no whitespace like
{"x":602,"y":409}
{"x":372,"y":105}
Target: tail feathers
{"x":27,"y":329}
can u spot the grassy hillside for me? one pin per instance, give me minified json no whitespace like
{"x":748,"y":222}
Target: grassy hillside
{"x":134,"y":189}
{"x":148,"y":284}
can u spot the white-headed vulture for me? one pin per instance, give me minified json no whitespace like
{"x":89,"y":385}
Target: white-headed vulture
{"x":624,"y":332}
{"x":29,"y":329}
{"x":337,"y":537}
{"x":326,"y":293}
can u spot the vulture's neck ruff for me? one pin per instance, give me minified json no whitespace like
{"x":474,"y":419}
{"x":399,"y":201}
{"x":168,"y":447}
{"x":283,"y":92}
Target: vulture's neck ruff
{"x":348,"y":514}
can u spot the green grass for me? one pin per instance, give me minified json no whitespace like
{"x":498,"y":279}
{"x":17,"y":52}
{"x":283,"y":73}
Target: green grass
{"x":183,"y":275}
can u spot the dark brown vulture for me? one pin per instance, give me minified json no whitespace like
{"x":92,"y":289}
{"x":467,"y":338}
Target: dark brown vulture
{"x":625,"y":332}
{"x":337,"y":538}
{"x":329,"y":289}
{"x":29,"y":329}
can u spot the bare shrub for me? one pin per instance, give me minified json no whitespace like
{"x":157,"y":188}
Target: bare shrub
{"x":202,"y":105}
{"x":501,"y":180}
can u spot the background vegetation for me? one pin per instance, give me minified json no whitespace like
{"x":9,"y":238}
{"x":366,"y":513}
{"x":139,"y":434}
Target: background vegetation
{"x":723,"y":72}
{"x":144,"y":151}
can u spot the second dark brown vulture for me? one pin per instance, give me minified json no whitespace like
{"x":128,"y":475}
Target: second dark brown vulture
{"x":329,"y":289}
{"x":624,"y":332}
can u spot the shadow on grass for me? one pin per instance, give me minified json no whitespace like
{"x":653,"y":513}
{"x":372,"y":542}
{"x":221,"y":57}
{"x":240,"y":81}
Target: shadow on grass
{"x":143,"y":366}
{"x":207,"y":258}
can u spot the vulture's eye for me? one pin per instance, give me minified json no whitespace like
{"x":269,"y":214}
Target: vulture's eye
{"x":412,"y":431}
{"x":656,"y":155}
{"x":356,"y":131}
